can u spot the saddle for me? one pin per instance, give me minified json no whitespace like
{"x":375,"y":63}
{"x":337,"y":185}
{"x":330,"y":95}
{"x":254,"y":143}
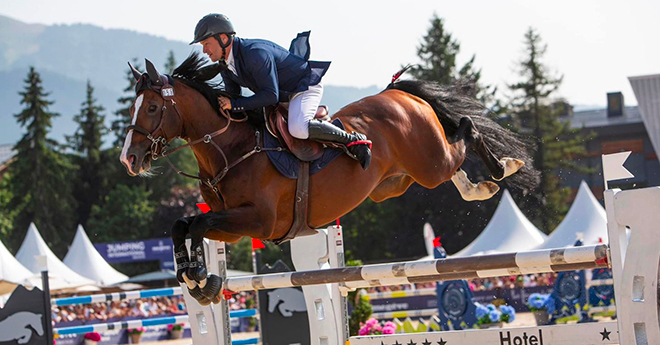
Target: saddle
{"x":277,"y":124}
{"x":306,"y":151}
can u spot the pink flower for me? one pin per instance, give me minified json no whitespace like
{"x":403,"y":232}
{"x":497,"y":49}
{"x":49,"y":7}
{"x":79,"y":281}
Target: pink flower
{"x":389,"y":330}
{"x":371,"y":322}
{"x":390,"y":324}
{"x":364,"y":330}
{"x":378,"y":328}
{"x":169,"y":327}
{"x":93,"y":336}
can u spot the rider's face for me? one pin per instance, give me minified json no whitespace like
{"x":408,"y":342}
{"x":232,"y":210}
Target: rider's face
{"x":212,"y":48}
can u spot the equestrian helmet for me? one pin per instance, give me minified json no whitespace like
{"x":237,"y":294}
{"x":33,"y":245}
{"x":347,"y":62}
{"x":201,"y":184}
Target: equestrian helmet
{"x":212,"y":24}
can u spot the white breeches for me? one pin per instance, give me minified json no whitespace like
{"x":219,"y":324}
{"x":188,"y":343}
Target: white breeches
{"x":302,"y":108}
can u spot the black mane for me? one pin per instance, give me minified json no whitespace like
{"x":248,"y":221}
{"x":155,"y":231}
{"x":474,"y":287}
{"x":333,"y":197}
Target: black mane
{"x":195,"y":72}
{"x":188,"y":73}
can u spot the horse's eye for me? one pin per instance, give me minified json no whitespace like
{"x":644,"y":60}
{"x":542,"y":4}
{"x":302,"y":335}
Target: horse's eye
{"x":152,"y":108}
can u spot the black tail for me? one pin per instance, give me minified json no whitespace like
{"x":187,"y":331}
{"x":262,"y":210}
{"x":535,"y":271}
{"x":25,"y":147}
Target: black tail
{"x":452,"y":102}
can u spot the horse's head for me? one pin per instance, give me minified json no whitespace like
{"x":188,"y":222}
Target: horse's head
{"x":155,"y":120}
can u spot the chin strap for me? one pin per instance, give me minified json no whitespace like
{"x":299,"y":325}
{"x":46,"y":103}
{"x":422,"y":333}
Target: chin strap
{"x":223,"y":45}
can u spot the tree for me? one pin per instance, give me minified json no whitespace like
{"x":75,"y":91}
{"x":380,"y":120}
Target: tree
{"x":555,"y":141}
{"x":126,"y":214}
{"x":170,"y":63}
{"x":41,"y":177}
{"x":124,"y":114}
{"x":438,"y":53}
{"x":86,"y":142}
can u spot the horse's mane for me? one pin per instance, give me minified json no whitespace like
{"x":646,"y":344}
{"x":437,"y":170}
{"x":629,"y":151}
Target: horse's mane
{"x":189,"y":73}
{"x":195,"y":72}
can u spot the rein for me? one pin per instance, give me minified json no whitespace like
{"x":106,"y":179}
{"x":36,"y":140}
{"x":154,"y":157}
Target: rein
{"x":167,"y":93}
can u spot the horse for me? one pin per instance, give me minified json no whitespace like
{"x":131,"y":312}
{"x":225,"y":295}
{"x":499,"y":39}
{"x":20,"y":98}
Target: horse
{"x":421,"y":132}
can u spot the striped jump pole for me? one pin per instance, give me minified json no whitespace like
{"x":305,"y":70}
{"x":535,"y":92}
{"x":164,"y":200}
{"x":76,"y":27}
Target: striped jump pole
{"x":538,"y":261}
{"x":117,"y":296}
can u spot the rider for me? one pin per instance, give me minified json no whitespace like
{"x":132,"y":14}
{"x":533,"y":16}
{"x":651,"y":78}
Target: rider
{"x":273,"y":74}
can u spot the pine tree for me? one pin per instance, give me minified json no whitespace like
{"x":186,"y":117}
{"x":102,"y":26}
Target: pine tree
{"x":555,"y":141}
{"x":41,"y":177}
{"x":438,"y":53}
{"x":124,"y":114}
{"x":170,"y":63}
{"x":86,"y":142}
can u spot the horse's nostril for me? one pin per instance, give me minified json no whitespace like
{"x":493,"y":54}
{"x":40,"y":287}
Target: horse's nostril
{"x":131,"y":160}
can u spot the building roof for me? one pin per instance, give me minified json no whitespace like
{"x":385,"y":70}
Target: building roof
{"x":598,"y":118}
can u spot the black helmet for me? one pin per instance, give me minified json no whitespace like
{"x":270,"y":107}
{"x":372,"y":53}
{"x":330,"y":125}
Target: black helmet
{"x":212,"y":24}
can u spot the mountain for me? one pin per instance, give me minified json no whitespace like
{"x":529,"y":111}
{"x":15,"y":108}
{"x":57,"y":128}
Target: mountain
{"x":68,"y":55}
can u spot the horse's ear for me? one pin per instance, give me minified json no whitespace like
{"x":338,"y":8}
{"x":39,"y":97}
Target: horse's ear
{"x":136,"y":74}
{"x":151,"y":71}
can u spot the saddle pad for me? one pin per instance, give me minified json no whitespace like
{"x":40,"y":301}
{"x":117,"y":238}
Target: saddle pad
{"x":287,"y":164}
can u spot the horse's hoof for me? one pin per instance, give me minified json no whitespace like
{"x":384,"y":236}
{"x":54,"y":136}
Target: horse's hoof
{"x":197,"y":271}
{"x":487,"y":189}
{"x":511,"y":166}
{"x":217,"y":299}
{"x":197,"y":294}
{"x":213,"y":287}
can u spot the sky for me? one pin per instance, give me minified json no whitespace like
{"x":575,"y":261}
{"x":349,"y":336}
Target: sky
{"x":595,"y":45}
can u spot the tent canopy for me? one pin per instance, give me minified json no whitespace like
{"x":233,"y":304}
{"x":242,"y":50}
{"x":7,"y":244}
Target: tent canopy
{"x":34,"y":246}
{"x":586,"y":219}
{"x":85,"y":260}
{"x":508,"y":231}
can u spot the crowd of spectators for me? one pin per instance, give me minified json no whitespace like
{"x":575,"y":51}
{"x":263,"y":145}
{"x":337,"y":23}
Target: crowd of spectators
{"x":163,"y":306}
{"x":138,"y":308}
{"x":484,"y":284}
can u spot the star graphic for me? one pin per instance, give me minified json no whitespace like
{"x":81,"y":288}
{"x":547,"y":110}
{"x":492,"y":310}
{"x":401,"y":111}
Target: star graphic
{"x":426,"y":342}
{"x":411,"y":342}
{"x":442,"y":342}
{"x":397,"y":343}
{"x":605,"y":334}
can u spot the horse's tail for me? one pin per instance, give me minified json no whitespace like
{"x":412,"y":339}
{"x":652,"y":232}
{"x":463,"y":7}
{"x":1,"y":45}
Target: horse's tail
{"x":453,"y":102}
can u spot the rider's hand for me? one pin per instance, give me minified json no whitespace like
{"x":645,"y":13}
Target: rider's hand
{"x":225,"y":103}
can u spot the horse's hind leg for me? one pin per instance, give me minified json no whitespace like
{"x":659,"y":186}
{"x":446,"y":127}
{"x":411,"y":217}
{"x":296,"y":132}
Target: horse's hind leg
{"x":483,"y":190}
{"x":498,"y":168}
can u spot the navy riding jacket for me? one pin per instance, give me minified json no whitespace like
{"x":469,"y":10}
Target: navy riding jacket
{"x":270,"y":71}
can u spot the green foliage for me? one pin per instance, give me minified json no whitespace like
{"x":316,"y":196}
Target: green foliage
{"x":126,"y":214}
{"x":7,"y":211}
{"x":170,"y":63}
{"x":361,"y":307}
{"x":124,"y":114}
{"x":86,"y":143}
{"x":555,"y":141}
{"x":40,"y":188}
{"x":438,"y":52}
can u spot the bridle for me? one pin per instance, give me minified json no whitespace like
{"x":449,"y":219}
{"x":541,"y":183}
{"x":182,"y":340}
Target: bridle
{"x":159,"y":143}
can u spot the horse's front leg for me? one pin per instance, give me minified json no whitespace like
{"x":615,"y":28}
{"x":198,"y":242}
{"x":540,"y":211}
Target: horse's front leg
{"x":241,"y":221}
{"x":179,"y":232}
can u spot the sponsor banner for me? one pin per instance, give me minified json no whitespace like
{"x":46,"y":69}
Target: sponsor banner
{"x":132,"y":251}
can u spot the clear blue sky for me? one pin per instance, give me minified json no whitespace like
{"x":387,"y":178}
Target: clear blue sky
{"x":596,"y":45}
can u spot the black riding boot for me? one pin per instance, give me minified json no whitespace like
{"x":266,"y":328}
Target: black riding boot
{"x":326,"y":131}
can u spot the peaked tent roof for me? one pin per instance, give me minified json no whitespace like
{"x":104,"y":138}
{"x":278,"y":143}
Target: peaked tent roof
{"x":508,"y":231}
{"x":34,"y":245}
{"x":586,"y":217}
{"x":12,"y":272}
{"x":85,"y":260}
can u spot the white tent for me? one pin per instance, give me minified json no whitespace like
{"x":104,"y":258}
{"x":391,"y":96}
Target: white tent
{"x":586,"y":219}
{"x":85,"y":260}
{"x":12,"y":272}
{"x":508,"y":231}
{"x":61,"y":275}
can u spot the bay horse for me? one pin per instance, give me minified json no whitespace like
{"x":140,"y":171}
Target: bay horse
{"x":421,"y":132}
